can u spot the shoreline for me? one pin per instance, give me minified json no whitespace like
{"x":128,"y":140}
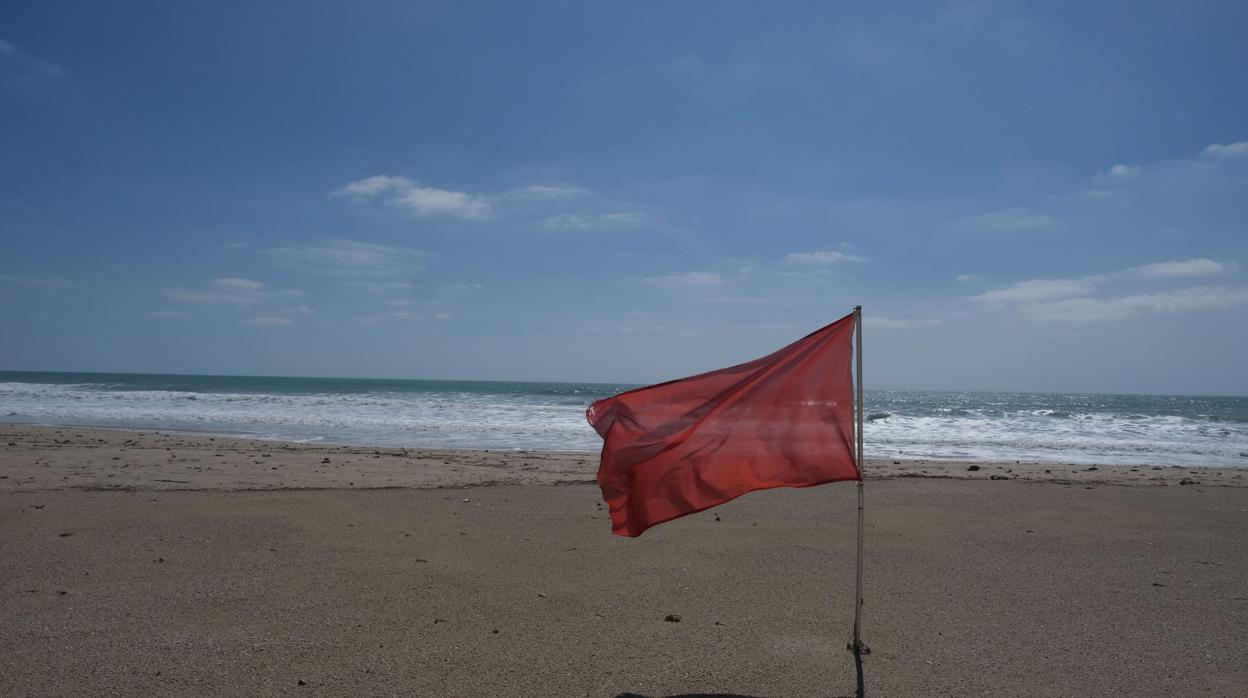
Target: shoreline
{"x":40,"y":458}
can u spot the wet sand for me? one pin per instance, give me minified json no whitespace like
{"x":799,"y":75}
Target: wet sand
{"x":394,"y":573}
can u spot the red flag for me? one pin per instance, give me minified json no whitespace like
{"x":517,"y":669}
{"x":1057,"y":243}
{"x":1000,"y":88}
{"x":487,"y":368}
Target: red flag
{"x":785,"y":420}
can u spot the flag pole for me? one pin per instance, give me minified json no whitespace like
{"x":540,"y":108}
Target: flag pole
{"x":858,"y":647}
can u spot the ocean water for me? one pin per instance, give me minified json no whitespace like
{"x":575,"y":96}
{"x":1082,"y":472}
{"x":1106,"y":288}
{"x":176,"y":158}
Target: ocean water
{"x":1069,"y":428}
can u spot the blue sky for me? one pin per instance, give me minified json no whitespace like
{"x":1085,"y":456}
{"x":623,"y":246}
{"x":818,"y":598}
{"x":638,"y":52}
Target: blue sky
{"x":1039,"y":196}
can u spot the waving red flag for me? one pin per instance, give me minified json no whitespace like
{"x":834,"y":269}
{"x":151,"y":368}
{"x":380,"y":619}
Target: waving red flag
{"x":785,"y":420}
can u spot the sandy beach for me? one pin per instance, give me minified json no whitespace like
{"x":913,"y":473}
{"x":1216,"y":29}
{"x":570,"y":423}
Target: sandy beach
{"x":174,"y":565}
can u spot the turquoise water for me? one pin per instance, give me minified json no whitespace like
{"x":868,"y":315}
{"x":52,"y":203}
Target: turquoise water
{"x":1076,"y":428}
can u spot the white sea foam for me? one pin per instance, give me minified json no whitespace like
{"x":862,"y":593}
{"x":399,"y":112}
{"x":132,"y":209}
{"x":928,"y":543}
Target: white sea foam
{"x":910,"y":425}
{"x":412,"y":419}
{"x":1080,"y":438}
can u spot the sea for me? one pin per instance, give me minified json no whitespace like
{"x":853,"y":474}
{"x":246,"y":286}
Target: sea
{"x":978,"y":426}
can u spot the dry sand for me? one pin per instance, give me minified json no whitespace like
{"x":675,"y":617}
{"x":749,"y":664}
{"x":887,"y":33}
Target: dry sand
{"x":174,"y":571}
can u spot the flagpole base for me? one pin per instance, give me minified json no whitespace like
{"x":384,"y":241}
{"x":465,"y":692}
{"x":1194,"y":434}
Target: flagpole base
{"x":861,"y":648}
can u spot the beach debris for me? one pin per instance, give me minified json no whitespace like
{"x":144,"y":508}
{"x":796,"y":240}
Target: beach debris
{"x":672,"y":618}
{"x":878,"y":415}
{"x":66,"y":534}
{"x":324,"y":460}
{"x":37,"y":506}
{"x":973,"y":468}
{"x":301,"y":682}
{"x":1094,"y":468}
{"x":1188,"y":481}
{"x":998,"y":477}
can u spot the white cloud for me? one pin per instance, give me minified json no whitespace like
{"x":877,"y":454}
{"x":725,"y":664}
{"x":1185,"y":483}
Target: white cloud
{"x":1034,"y":290}
{"x":822,"y":257}
{"x":237,"y":284}
{"x":8,"y":48}
{"x":689,"y":279}
{"x":424,"y":202}
{"x":1202,"y":166}
{"x":1073,"y":299}
{"x":621,"y":218}
{"x":269,"y":321}
{"x":1012,"y":219}
{"x":460,"y":289}
{"x":443,"y":316}
{"x":167,"y":314}
{"x":231,"y":290}
{"x":353,"y":258}
{"x":370,"y":186}
{"x":1184,"y":268}
{"x":1230,"y":150}
{"x":1040,"y":289}
{"x":546,"y":192}
{"x":964,"y":278}
{"x":417,"y":200}
{"x":1100,"y":309}
{"x":581,"y":221}
{"x":568,"y":221}
{"x":382,"y":288}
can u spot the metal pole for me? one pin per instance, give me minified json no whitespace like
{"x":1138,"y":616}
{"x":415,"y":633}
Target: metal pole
{"x":858,"y":646}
